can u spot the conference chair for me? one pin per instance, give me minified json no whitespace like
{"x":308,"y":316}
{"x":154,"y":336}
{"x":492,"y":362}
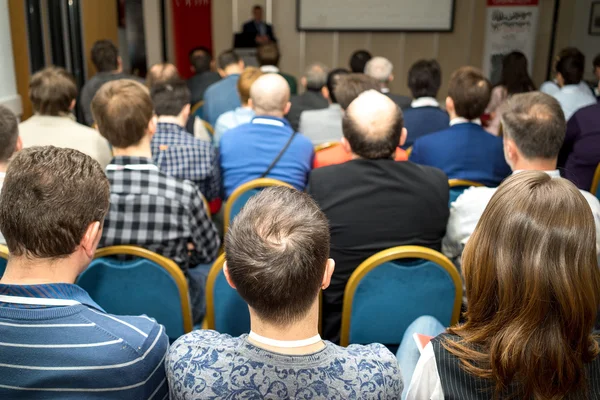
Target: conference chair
{"x":240,"y":196}
{"x":595,"y":181}
{"x":148,"y":284}
{"x":209,"y":128}
{"x":196,"y":110}
{"x":408,"y":151}
{"x":226,"y":311}
{"x":458,"y":186}
{"x":326,"y":145}
{"x":3,"y":259}
{"x":392,"y":288}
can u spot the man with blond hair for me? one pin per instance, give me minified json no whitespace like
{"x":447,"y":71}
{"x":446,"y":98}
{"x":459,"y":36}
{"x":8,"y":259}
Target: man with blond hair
{"x":382,"y":69}
{"x":266,"y":146}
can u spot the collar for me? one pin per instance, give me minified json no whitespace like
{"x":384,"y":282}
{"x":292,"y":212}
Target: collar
{"x":169,"y":120}
{"x":385,"y":90}
{"x":269,"y":69}
{"x":571,"y":88}
{"x":461,"y":120}
{"x":53,"y":294}
{"x":274,"y":121}
{"x":424,"y":102}
{"x":119,"y":163}
{"x":554,"y":173}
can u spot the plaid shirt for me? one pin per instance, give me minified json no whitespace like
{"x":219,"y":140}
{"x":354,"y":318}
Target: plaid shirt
{"x":177,"y":153}
{"x":162,"y":214}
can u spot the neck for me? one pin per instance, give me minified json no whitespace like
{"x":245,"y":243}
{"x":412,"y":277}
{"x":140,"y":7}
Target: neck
{"x":233,"y":70}
{"x":275,"y":114}
{"x":535,"y":165}
{"x":141,"y":149}
{"x":170,"y":119}
{"x":24,"y":270}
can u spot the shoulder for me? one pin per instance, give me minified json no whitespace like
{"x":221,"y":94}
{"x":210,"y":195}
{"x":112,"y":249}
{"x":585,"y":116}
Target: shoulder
{"x":592,"y":201}
{"x":198,"y":344}
{"x":303,"y":141}
{"x":475,"y":196}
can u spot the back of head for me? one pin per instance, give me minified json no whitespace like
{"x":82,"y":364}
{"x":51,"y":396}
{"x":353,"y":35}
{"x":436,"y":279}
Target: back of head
{"x":52,"y":91}
{"x":277,"y":249}
{"x":268,"y":54}
{"x":49,"y":197}
{"x":200,"y":59}
{"x":270,"y":94}
{"x":425,"y":78}
{"x":379,"y":68}
{"x":9,"y":133}
{"x":122,"y":109}
{"x":161,"y":73}
{"x":332,"y":80}
{"x":373,"y":125}
{"x":535,"y":122}
{"x":349,"y":86}
{"x":533,"y":289}
{"x":227,"y":58}
{"x":169,"y":98}
{"x":470,"y":91}
{"x":316,"y":77}
{"x":247,"y":79}
{"x":571,"y":65}
{"x":105,"y":56}
{"x":515,"y":76}
{"x":358,"y":60}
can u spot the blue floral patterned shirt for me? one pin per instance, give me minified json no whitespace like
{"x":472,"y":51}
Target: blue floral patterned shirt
{"x":207,"y":365}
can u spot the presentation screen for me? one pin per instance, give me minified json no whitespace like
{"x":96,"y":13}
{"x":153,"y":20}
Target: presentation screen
{"x":375,"y":15}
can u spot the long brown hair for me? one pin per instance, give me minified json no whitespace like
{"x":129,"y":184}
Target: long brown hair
{"x":533,"y":290}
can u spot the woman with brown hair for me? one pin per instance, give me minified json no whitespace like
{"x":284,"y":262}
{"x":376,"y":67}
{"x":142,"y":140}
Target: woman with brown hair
{"x":533,"y":290}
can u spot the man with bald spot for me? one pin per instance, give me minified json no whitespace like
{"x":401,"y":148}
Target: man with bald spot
{"x":161,"y":73}
{"x":267,"y":146}
{"x":373,"y":202}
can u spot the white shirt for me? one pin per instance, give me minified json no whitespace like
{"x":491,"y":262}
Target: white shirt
{"x":424,"y":102}
{"x":551,"y":88}
{"x":2,"y":176}
{"x":461,"y":120}
{"x":466,"y":211}
{"x":572,"y":98}
{"x":269,"y":69}
{"x":425,"y":383}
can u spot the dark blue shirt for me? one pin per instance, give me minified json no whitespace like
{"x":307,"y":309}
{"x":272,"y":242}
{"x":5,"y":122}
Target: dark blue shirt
{"x":221,"y":97}
{"x":421,"y":121}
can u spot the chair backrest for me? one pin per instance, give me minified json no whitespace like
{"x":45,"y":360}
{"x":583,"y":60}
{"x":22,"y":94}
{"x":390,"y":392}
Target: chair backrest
{"x":409,"y":151}
{"x":3,"y":259}
{"x":209,"y":128}
{"x":458,"y":186}
{"x":197,"y":108}
{"x":148,"y":284}
{"x":242,"y":194}
{"x":594,"y":189}
{"x":326,"y":145}
{"x":226,"y":311}
{"x":384,"y":296}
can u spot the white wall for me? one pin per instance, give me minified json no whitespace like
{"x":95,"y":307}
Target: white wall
{"x":8,"y":83}
{"x":580,"y":38}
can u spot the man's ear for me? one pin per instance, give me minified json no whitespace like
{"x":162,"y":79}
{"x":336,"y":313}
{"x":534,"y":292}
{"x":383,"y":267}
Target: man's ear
{"x":222,"y":72}
{"x":227,"y":277}
{"x":250,"y":104}
{"x":325,"y":92}
{"x":329,"y":268}
{"x":450,"y":105}
{"x":152,"y":126}
{"x":287,"y":107}
{"x":91,"y":238}
{"x":19,"y":144}
{"x":185,"y":112}
{"x":403,"y":137}
{"x":391,"y":78}
{"x":72,"y":105}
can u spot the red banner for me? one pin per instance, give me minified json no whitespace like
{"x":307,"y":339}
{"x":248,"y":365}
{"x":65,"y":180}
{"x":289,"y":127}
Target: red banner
{"x":191,"y":28}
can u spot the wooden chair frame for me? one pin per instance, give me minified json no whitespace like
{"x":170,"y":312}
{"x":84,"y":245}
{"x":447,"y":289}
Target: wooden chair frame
{"x":196,"y":106}
{"x":169,"y":265}
{"x":408,"y":151}
{"x":397,"y":253}
{"x":209,"y":128}
{"x":326,"y":145}
{"x":462,"y":182}
{"x":4,"y":252}
{"x":595,"y":181}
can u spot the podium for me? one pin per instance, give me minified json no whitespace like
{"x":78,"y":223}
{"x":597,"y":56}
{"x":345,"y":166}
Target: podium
{"x":245,"y":47}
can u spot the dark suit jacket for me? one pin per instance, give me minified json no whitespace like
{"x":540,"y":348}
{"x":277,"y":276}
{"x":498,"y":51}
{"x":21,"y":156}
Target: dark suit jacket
{"x":373,"y":205}
{"x":402,"y":101}
{"x":307,"y":101}
{"x":250,"y":30}
{"x":200,"y":82}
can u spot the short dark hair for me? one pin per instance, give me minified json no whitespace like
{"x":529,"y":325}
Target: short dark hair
{"x":536,"y":123}
{"x":257,"y":7}
{"x":105,"y":56}
{"x":9,"y":133}
{"x":227,"y":58}
{"x":359,"y":60}
{"x":52,"y":91}
{"x":350,"y":86}
{"x":425,"y":78}
{"x":268,"y":54}
{"x":49,"y":197}
{"x":470,"y":91}
{"x":597,"y":61}
{"x":169,"y":98}
{"x":277,"y":249}
{"x":332,"y":80}
{"x":571,"y":65}
{"x":200,"y":58}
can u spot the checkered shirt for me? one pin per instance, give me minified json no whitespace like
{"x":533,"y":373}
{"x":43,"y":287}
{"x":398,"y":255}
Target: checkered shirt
{"x":179,"y":154}
{"x":160,"y":213}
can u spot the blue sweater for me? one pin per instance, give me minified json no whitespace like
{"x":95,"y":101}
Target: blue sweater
{"x":67,"y":347}
{"x":221,"y":97}
{"x":464,"y":151}
{"x":421,"y":121}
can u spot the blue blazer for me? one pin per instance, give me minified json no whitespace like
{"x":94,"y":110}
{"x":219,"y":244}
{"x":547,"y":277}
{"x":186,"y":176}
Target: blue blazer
{"x":422,"y":121}
{"x":463,"y":151}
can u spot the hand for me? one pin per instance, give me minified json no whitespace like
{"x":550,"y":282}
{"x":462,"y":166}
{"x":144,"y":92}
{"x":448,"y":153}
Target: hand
{"x":262,"y":39}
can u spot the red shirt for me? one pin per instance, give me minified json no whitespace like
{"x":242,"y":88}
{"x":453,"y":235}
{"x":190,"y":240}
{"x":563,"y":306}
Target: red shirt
{"x":337,"y":155}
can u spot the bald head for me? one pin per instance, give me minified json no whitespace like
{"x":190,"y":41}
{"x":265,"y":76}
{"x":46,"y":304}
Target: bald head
{"x":379,"y":68}
{"x":161,"y":73}
{"x":373,"y":125}
{"x":270,"y":95}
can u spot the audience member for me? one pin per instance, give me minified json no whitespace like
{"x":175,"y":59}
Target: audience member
{"x":533,"y":291}
{"x":406,"y":203}
{"x":596,"y":89}
{"x":358,"y":60}
{"x":424,"y":115}
{"x":241,"y":115}
{"x":175,"y":151}
{"x":381,"y":69}
{"x":109,"y":67}
{"x":533,"y":133}
{"x":52,"y":92}
{"x":514,"y":79}
{"x":268,"y":58}
{"x":147,"y":207}
{"x":313,"y":98}
{"x":325,"y":125}
{"x":580,"y":152}
{"x":10,"y":143}
{"x":201,"y":66}
{"x":465,"y":150}
{"x":57,"y":342}
{"x":258,"y":28}
{"x":223,"y":96}
{"x":277,"y":259}
{"x":161,"y":73}
{"x":267,"y":146}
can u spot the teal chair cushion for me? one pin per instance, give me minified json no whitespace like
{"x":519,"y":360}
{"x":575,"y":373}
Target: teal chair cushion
{"x":240,"y":202}
{"x":392,"y":295}
{"x":455,"y":192}
{"x":3,"y":263}
{"x":135,"y":287}
{"x":231,"y":311}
